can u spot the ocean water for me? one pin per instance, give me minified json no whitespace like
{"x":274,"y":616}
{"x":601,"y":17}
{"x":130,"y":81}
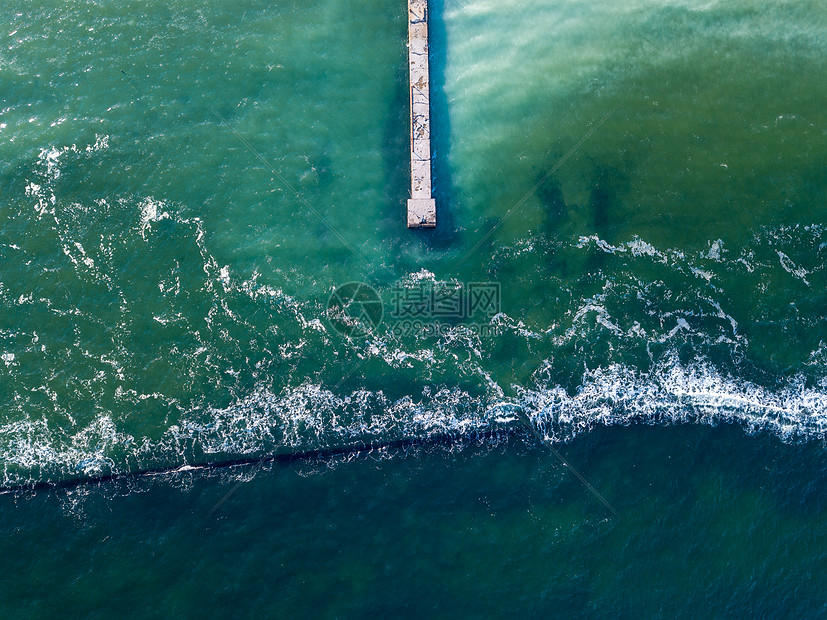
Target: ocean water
{"x":633,"y":426}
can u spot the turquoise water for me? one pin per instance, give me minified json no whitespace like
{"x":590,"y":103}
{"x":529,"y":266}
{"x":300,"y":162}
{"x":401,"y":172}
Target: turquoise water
{"x":645,"y":184}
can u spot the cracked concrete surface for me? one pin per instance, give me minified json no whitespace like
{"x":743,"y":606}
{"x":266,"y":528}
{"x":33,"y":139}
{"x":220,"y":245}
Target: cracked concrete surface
{"x":421,"y":206}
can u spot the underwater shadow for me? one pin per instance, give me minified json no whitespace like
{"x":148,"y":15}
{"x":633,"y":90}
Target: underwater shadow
{"x":445,"y":233}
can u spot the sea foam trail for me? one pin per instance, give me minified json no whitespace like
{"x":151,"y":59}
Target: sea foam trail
{"x":673,"y":393}
{"x":286,"y":407}
{"x":313,"y":419}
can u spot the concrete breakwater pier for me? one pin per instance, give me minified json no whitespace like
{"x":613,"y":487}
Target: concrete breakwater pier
{"x":421,"y":206}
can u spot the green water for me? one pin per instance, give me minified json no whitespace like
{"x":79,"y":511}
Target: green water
{"x":643,"y":181}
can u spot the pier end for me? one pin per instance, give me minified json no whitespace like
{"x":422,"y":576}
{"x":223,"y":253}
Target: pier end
{"x":421,"y":213}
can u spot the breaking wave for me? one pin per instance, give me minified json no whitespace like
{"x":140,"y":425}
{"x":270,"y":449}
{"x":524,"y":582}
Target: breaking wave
{"x":312,"y":417}
{"x":256,"y":371}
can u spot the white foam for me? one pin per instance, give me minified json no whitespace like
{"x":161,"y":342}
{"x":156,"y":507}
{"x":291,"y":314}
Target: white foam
{"x":311,"y":416}
{"x":152,"y":210}
{"x":270,"y":419}
{"x":790,"y":267}
{"x":674,"y":393}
